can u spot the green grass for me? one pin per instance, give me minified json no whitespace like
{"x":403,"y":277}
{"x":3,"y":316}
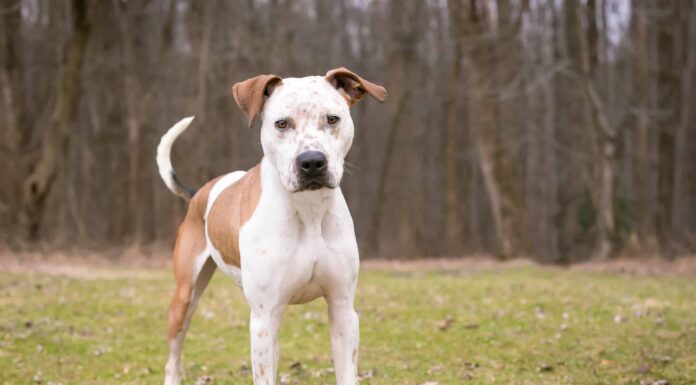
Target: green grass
{"x":507,"y":326}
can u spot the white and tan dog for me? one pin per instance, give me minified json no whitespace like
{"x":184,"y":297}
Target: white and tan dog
{"x":281,"y":230}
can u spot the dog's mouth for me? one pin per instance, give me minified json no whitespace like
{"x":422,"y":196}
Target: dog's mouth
{"x":315,"y":183}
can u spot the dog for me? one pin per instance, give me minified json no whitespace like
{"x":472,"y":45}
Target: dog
{"x":282,"y":229}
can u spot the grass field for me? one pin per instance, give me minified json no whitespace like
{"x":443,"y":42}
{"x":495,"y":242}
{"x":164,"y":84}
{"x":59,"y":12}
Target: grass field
{"x":522,"y":325}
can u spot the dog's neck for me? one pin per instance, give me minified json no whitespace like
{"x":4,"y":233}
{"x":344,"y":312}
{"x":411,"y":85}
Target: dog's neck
{"x":310,"y":206}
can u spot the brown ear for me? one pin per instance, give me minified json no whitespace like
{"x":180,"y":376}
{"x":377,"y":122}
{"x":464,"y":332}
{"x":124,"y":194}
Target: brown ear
{"x":353,"y":87}
{"x":252,"y":93}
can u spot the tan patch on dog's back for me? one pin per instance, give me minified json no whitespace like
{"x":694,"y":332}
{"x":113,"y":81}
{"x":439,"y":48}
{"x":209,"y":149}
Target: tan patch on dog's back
{"x":233,"y":207}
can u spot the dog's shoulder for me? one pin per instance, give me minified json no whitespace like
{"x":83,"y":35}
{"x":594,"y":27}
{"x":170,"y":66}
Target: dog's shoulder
{"x":230,"y":204}
{"x":230,"y":185}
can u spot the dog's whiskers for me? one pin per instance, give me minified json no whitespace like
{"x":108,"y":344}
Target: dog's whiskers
{"x":346,"y":163}
{"x":347,"y":167}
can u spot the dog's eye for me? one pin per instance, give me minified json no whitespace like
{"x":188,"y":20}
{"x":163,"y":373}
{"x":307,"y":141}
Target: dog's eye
{"x":332,"y":119}
{"x":281,"y":124}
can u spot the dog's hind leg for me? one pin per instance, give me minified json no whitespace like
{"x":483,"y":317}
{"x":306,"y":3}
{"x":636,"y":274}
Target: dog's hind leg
{"x":193,"y":269}
{"x":181,"y":310}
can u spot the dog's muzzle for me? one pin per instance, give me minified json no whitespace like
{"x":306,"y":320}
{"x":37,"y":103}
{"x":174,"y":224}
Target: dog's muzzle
{"x":312,"y":171}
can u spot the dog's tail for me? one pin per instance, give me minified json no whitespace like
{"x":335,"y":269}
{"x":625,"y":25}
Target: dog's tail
{"x":164,"y":163}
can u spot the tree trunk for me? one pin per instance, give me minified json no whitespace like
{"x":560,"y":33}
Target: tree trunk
{"x":12,"y":119}
{"x":645,"y":128}
{"x":684,"y":167}
{"x":667,"y":86}
{"x":485,"y":125}
{"x":482,"y":126}
{"x":453,"y":229}
{"x":602,"y":136}
{"x":400,"y":57}
{"x":381,"y":200}
{"x":56,"y":139}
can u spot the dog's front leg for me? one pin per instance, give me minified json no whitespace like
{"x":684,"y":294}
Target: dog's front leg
{"x":263,"y":326}
{"x":345,"y":337}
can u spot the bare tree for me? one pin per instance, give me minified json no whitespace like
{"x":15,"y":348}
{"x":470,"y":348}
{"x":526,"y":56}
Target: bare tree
{"x":56,"y":135}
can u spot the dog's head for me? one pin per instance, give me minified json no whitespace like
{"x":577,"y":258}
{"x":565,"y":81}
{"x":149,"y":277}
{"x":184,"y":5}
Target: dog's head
{"x":306,"y":127}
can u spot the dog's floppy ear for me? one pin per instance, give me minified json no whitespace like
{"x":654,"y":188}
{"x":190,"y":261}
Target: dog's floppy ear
{"x":252,"y":93}
{"x":353,"y":87}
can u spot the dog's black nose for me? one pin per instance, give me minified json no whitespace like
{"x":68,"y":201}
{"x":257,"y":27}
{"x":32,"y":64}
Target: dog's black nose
{"x":312,"y":163}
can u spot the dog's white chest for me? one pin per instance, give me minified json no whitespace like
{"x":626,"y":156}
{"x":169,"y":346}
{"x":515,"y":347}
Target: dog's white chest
{"x":295,"y":252}
{"x":292,"y":253}
{"x":307,"y":257}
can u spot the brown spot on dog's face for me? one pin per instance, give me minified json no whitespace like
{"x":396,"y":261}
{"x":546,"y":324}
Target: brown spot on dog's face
{"x":355,"y":355}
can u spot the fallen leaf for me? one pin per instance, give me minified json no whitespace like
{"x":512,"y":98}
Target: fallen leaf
{"x":101,"y":350}
{"x":204,"y":380}
{"x":244,"y":369}
{"x":663,"y":359}
{"x":539,"y":312}
{"x":653,"y":382}
{"x":367,"y":374}
{"x":435,"y":369}
{"x":445,"y":324}
{"x":471,"y":365}
{"x":284,"y":378}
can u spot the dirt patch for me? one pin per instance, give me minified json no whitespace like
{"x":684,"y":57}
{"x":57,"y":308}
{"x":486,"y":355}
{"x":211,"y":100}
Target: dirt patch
{"x":478,"y":262}
{"x":123,"y":262}
{"x":86,"y":264}
{"x":683,"y":266}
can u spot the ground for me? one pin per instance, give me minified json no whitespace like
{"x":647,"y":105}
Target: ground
{"x":444,"y":324}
